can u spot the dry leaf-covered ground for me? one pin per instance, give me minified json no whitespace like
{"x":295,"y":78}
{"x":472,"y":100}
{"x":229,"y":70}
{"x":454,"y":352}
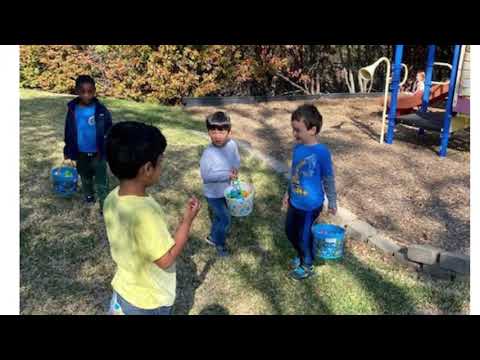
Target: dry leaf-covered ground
{"x":404,"y":189}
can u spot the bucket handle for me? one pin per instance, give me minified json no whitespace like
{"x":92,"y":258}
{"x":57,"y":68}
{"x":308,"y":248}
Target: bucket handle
{"x":327,"y":216}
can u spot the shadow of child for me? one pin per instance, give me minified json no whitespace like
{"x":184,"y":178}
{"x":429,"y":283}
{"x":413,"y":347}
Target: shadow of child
{"x":214,"y":309}
{"x":188,"y":281}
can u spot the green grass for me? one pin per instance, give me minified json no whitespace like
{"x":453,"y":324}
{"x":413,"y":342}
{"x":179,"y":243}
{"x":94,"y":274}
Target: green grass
{"x":65,"y":270}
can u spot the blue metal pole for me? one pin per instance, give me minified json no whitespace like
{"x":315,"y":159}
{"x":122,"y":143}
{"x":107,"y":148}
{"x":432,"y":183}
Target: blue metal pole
{"x":397,"y":68}
{"x":447,"y":120}
{"x":428,"y":77}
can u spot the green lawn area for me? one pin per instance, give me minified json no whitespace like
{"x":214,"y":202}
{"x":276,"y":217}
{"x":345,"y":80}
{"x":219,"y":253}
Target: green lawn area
{"x":66,"y":270}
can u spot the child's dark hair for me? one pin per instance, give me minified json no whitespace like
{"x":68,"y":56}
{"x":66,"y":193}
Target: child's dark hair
{"x":84,"y":79}
{"x":219,"y":120}
{"x":130,"y":145}
{"x":310,"y":116}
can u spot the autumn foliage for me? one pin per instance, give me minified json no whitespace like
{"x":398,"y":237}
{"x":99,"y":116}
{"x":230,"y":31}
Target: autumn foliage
{"x":166,"y":73}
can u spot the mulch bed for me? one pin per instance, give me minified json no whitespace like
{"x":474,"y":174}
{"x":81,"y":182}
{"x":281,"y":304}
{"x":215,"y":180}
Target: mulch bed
{"x":404,"y":189}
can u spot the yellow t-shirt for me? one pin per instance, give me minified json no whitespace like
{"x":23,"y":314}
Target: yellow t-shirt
{"x":138,"y":235}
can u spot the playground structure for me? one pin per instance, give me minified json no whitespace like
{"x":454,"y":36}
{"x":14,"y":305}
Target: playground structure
{"x":401,"y":109}
{"x":406,"y":104}
{"x":366,"y":75}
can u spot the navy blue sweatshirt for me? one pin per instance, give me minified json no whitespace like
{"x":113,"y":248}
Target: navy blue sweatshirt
{"x":103,"y":123}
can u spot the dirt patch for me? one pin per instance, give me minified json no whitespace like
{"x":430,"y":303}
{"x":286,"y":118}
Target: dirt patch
{"x":404,"y":189}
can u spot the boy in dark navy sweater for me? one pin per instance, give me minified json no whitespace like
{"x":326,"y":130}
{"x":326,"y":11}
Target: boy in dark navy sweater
{"x":86,"y":126}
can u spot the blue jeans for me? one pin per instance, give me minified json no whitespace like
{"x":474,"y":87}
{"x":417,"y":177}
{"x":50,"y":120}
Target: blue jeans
{"x":120,"y":306}
{"x":221,"y":220}
{"x":298,"y":227}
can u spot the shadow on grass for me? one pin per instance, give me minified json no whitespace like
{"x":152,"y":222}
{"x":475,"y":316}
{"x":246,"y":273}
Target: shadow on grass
{"x":388,"y":296}
{"x":214,"y":309}
{"x":51,"y":273}
{"x":187,"y":279}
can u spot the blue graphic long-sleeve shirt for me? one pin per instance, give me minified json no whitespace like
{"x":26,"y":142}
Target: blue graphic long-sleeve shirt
{"x":86,"y":130}
{"x":312,"y":176}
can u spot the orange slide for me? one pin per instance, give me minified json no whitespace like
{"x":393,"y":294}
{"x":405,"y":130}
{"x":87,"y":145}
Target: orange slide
{"x":407,"y":103}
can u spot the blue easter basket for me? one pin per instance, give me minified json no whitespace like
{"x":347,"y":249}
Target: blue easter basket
{"x":328,"y":241}
{"x":65,"y":180}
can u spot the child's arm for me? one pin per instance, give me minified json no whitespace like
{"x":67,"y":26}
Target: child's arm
{"x":285,"y":200}
{"x":330,"y":190}
{"x":108,"y":123}
{"x":286,"y":196}
{"x":65,"y":136}
{"x":236,"y":161}
{"x":328,"y":181}
{"x":181,"y":235}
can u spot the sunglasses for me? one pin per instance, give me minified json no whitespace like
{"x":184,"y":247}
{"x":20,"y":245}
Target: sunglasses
{"x":219,"y":128}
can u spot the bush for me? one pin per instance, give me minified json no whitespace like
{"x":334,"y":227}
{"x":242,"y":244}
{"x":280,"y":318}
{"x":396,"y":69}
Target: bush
{"x":166,"y":73}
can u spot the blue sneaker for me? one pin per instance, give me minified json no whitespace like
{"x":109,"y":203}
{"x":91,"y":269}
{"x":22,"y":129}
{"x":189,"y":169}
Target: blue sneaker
{"x":294,"y":263}
{"x":89,"y":199}
{"x":302,"y":272}
{"x":222,"y":251}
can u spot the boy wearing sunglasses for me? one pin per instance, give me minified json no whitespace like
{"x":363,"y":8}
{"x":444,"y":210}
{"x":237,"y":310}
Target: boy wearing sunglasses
{"x":219,"y":165}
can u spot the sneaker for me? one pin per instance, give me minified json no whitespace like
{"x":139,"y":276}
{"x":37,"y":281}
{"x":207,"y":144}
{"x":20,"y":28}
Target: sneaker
{"x":302,"y":272}
{"x":222,"y":251}
{"x":209,"y":241}
{"x":294,"y":263}
{"x":89,"y":199}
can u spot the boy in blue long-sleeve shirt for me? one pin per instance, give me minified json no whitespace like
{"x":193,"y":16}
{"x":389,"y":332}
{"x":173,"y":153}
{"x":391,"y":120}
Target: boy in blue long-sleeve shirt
{"x":219,"y":165}
{"x":312,"y":177}
{"x":86,"y":125}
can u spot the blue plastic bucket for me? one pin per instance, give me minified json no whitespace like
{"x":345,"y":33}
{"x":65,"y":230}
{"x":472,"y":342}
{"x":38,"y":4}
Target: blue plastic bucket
{"x":65,"y":180}
{"x":328,"y":241}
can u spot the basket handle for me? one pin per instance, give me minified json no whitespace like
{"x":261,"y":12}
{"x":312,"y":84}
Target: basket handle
{"x":235,"y":184}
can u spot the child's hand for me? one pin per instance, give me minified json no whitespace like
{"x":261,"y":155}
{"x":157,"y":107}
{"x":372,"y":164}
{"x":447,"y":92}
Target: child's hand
{"x":192,"y":208}
{"x":285,"y":201}
{"x":234,"y":174}
{"x":332,"y":211}
{"x":67,"y":159}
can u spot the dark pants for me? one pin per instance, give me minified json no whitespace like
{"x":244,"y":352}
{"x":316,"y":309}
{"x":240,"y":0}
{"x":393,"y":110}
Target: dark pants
{"x":93,"y":171}
{"x":221,"y":220}
{"x":298,"y":227}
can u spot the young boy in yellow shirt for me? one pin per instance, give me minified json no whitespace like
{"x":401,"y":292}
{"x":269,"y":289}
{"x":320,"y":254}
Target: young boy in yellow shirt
{"x":140,"y":243}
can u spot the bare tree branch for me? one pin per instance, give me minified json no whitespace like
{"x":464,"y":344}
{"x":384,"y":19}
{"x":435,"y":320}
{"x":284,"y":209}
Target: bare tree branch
{"x":291,"y":82}
{"x":349,"y":80}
